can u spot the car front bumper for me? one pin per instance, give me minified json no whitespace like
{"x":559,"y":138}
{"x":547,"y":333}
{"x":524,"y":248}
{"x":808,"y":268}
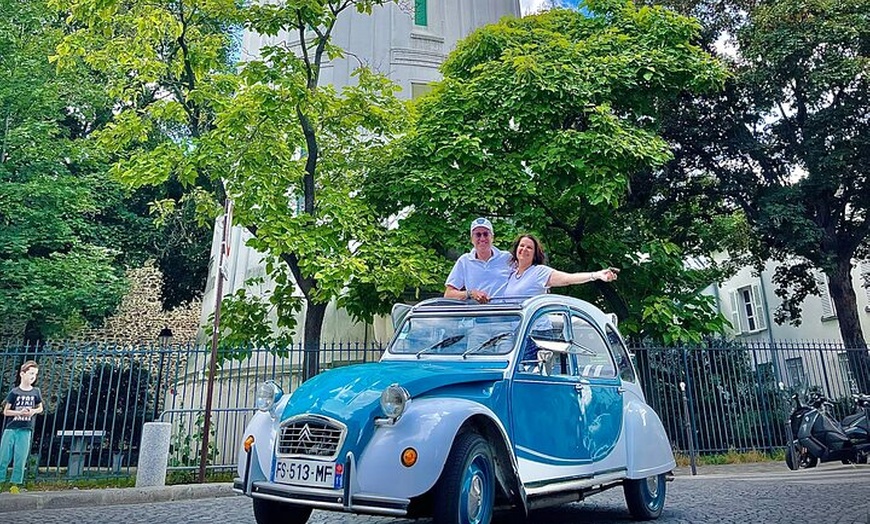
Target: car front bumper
{"x":345,"y":499}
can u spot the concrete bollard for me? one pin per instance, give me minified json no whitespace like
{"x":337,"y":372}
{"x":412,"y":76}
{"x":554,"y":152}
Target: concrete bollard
{"x":153,"y":454}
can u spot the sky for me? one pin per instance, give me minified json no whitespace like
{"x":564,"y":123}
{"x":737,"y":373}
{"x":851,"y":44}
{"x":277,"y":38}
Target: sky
{"x":531,"y":6}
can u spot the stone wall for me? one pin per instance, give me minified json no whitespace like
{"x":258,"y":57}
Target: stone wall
{"x":139,"y":319}
{"x":140,"y":316}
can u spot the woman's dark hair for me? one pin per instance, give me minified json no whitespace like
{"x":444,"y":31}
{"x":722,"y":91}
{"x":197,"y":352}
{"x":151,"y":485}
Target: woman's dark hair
{"x":538,"y":258}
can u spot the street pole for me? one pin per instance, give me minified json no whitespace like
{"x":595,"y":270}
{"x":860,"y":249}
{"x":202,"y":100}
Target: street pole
{"x":688,"y":426}
{"x":219,"y":295}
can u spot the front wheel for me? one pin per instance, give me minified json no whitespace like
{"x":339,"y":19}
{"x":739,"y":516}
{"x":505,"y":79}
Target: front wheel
{"x":645,"y":497}
{"x":273,"y":512}
{"x":465,"y":493}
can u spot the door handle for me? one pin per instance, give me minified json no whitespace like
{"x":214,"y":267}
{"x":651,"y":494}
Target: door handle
{"x":578,"y":387}
{"x":620,"y":390}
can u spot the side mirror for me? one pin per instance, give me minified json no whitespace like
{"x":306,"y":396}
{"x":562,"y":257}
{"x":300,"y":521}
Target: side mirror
{"x":398,"y":314}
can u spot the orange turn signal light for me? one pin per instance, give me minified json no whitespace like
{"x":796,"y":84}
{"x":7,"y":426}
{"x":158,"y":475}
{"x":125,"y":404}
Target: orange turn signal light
{"x":409,"y":457}
{"x":249,"y":443}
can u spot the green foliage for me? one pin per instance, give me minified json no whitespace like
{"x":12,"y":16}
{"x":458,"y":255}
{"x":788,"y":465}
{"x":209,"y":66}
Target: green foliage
{"x":287,"y":151}
{"x":68,"y":231}
{"x":186,"y":448}
{"x":59,"y":264}
{"x":787,"y":142}
{"x":550,"y":124}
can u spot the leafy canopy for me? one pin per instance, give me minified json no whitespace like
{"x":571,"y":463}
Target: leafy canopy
{"x":787,"y":140}
{"x":61,"y":222}
{"x":288,"y":151}
{"x":550,"y":124}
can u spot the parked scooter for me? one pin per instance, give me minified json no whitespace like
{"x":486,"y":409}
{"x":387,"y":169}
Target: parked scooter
{"x":816,"y":436}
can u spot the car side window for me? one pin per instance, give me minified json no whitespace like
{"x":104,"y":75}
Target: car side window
{"x":550,"y":326}
{"x":590,"y":350}
{"x":620,"y":353}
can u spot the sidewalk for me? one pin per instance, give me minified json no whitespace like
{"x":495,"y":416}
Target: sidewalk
{"x":734,"y":469}
{"x":74,"y":498}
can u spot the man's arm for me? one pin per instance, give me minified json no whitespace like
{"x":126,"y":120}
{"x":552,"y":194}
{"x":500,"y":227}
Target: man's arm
{"x":459,"y":294}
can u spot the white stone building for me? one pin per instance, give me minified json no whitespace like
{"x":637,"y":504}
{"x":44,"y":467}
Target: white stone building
{"x":807,"y":354}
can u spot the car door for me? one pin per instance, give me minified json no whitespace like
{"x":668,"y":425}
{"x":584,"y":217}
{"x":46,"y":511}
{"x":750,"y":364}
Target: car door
{"x":601,"y":391}
{"x":546,"y":418}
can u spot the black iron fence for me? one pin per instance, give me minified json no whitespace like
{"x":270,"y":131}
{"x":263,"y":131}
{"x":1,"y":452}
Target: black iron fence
{"x":737,"y":396}
{"x":98,"y":396}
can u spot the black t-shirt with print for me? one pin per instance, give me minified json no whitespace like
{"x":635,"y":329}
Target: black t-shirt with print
{"x":20,"y":399}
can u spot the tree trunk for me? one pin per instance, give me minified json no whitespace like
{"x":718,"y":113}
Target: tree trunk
{"x":846,"y":304}
{"x":34,"y":339}
{"x":314,"y":314}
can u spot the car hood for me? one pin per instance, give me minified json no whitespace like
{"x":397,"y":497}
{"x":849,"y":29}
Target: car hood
{"x":353,"y":393}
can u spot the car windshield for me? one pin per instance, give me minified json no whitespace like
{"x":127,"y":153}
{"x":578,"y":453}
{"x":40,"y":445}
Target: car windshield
{"x":458,"y":335}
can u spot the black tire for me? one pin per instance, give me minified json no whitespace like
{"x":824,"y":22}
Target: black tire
{"x":272,"y":512}
{"x":645,"y":497}
{"x":797,"y":459}
{"x":465,"y":493}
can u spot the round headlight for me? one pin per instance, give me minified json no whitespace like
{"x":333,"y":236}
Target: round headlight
{"x":268,"y":393}
{"x":393,"y":401}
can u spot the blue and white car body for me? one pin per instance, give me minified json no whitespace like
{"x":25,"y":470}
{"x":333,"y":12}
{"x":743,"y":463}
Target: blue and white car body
{"x":515,"y":405}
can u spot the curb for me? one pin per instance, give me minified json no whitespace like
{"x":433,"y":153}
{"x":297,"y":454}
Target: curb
{"x":111,"y":496}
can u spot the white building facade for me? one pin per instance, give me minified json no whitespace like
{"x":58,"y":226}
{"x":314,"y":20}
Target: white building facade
{"x":807,"y":354}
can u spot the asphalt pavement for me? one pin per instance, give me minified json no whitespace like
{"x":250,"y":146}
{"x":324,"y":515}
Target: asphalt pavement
{"x":760,"y":492}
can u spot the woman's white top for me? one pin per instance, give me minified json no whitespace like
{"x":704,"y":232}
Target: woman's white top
{"x":533,"y":281}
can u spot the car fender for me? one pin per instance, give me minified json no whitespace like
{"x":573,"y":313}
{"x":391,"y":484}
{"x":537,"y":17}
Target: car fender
{"x":428,"y":425}
{"x":264,"y":427}
{"x":649,"y":450}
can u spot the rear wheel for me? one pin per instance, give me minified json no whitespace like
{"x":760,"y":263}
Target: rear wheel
{"x":796,"y":458}
{"x":645,"y":497}
{"x":272,"y":512}
{"x":465,"y":493}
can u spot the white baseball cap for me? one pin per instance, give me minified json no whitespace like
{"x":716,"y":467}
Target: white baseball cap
{"x":481,"y":222}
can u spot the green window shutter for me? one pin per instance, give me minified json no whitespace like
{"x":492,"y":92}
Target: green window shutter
{"x":420,"y":17}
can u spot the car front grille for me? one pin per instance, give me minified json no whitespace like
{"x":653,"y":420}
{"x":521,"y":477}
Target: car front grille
{"x":313,"y":437}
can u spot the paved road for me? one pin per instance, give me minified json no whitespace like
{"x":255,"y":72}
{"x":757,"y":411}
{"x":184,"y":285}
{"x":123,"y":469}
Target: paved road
{"x":828,"y":494}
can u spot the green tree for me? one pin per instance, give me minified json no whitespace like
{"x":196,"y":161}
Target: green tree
{"x":68,"y":230}
{"x":56,"y":270}
{"x":287,"y":150}
{"x":549,"y":123}
{"x":787,"y":142}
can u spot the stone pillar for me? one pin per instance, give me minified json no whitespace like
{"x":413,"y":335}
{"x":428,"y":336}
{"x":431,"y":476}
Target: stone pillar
{"x":153,"y":454}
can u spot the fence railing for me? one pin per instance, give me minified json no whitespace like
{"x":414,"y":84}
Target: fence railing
{"x":739,"y":395}
{"x":99,"y":396}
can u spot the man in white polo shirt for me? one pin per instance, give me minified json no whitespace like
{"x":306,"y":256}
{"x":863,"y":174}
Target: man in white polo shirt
{"x":482,"y":272}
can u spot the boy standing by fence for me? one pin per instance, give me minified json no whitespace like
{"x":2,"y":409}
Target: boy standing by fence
{"x":22,"y":403}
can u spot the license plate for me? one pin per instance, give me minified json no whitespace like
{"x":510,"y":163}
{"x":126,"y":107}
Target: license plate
{"x":312,"y":473}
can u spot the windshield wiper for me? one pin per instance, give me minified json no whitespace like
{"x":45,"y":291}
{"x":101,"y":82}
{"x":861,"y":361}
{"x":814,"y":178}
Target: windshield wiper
{"x":449,"y":341}
{"x":583,"y":349}
{"x":489,"y":342}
